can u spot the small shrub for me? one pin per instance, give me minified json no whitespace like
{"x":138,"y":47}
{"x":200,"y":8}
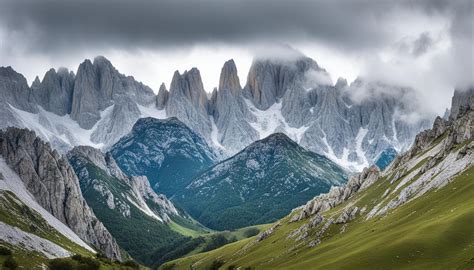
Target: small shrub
{"x":132,"y":264}
{"x":76,"y":257}
{"x":10,"y":263}
{"x":169,"y":266}
{"x":251,"y":232}
{"x":4,"y":251}
{"x":231,"y":267}
{"x":216,"y":264}
{"x":87,"y":263}
{"x":62,"y":264}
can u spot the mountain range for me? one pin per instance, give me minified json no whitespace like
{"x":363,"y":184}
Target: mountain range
{"x":97,"y":169}
{"x":98,"y":105}
{"x":415,"y":214}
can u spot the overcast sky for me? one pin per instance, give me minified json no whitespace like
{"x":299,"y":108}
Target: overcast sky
{"x":427,"y":45}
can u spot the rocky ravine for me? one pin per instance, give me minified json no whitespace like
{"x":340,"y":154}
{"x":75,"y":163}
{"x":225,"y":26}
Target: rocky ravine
{"x":51,"y":180}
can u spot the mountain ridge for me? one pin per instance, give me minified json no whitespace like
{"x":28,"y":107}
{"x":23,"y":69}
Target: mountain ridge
{"x":258,"y":184}
{"x":98,"y":105}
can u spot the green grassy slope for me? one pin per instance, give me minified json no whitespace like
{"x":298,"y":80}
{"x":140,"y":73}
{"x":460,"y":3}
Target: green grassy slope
{"x":430,"y":232}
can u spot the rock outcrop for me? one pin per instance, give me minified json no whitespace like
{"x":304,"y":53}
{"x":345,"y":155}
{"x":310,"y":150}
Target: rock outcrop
{"x":162,"y":97}
{"x":54,"y":92}
{"x":188,"y":102}
{"x":98,"y":85}
{"x":230,"y":112}
{"x":135,"y":188}
{"x":50,"y":179}
{"x":15,"y":91}
{"x":460,"y":101}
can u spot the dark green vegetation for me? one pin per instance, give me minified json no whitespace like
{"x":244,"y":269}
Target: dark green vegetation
{"x":166,"y":151}
{"x":6,"y":256}
{"x":260,"y":184}
{"x":78,"y":262}
{"x":202,"y":243}
{"x":136,"y":232}
{"x":427,"y":225}
{"x":431,"y":232}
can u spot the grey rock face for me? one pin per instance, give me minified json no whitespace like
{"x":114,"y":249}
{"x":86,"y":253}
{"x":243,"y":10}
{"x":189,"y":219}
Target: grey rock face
{"x":188,"y":102}
{"x":117,"y":123}
{"x":54,"y":93}
{"x":230,"y":112}
{"x":269,"y":79}
{"x":99,"y":85}
{"x":286,"y":95}
{"x":53,"y":183}
{"x":162,"y":97}
{"x":137,"y":188}
{"x":460,"y":101}
{"x":15,"y":91}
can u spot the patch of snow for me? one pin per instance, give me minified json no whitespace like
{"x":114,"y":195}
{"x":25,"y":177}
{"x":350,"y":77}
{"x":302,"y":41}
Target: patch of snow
{"x":342,"y":161}
{"x":51,"y":126}
{"x":13,"y":183}
{"x":31,"y":242}
{"x":152,"y":111}
{"x":271,"y":120}
{"x":215,"y":135}
{"x":142,"y":206}
{"x":359,"y":139}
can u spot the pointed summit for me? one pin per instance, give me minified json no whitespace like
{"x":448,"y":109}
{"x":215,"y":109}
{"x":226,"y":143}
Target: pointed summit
{"x":341,"y":83}
{"x":162,"y":97}
{"x":275,"y":174}
{"x":229,"y":78}
{"x":36,"y":83}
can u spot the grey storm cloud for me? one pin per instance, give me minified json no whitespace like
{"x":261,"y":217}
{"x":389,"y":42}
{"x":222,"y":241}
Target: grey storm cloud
{"x":59,"y":24}
{"x":422,"y":44}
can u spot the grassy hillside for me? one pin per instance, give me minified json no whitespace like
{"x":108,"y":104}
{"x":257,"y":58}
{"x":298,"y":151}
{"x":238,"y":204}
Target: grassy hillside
{"x":431,"y":232}
{"x":203,"y":243}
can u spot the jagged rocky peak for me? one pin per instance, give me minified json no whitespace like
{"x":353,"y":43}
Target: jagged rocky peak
{"x":188,"y":101}
{"x":162,"y":97}
{"x":54,"y":93}
{"x":99,"y":85}
{"x":15,"y":91}
{"x":341,"y":83}
{"x":190,"y":85}
{"x":460,"y":101}
{"x":230,"y":111}
{"x":36,"y":83}
{"x":229,"y":78}
{"x":53,"y":183}
{"x":270,"y":77}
